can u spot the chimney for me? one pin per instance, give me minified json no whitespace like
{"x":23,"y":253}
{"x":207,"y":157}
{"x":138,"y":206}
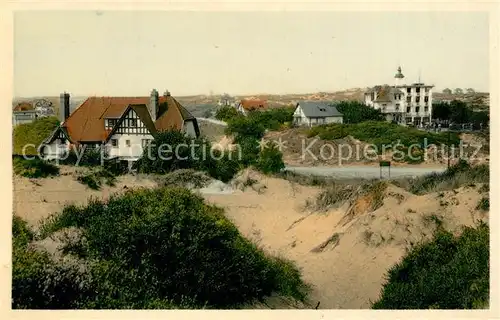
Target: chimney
{"x":166,"y":93}
{"x":63,"y":106}
{"x":153,"y":104}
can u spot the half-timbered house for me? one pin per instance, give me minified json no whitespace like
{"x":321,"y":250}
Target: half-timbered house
{"x":123,"y":126}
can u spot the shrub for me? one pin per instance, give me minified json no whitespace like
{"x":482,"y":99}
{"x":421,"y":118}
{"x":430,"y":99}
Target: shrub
{"x":34,"y":168}
{"x":484,"y":204}
{"x":270,"y":160}
{"x":194,"y":154}
{"x":356,"y":112}
{"x":338,"y":193}
{"x":446,"y":273}
{"x":244,"y":127}
{"x":273,"y":119}
{"x":457,"y":175}
{"x":384,"y":135}
{"x":38,"y":282}
{"x":32,"y":133}
{"x":95,"y":178}
{"x":166,"y":246}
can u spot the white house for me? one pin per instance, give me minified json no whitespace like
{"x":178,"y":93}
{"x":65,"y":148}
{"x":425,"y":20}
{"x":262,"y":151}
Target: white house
{"x":310,"y":113}
{"x":123,"y":125}
{"x":403,"y":103}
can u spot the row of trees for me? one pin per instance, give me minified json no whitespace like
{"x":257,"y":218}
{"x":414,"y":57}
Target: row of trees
{"x":459,"y":112}
{"x":459,"y":91}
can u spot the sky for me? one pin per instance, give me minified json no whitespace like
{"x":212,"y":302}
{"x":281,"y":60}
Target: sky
{"x":126,"y":53}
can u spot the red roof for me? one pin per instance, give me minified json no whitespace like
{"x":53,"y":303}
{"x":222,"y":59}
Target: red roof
{"x":86,"y":123}
{"x":253,"y":104}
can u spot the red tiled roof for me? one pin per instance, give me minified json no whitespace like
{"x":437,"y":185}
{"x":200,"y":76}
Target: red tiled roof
{"x":23,"y":106}
{"x":86,"y":123}
{"x":253,"y":104}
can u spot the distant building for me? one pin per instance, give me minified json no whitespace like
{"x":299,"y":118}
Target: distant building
{"x":247,"y":105}
{"x":23,"y":113}
{"x":311,"y":113}
{"x":226,"y":101}
{"x":403,"y":103}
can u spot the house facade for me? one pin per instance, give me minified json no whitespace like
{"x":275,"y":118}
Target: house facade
{"x":310,"y":113}
{"x":402,"y":103}
{"x":123,"y":126}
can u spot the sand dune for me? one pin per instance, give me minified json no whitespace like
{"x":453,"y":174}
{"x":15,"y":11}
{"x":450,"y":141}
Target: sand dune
{"x":344,"y":257}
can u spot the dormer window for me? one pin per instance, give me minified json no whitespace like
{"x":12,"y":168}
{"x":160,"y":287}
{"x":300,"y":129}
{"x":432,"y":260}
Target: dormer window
{"x":110,"y":123}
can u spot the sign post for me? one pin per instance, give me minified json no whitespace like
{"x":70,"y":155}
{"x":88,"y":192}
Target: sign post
{"x":385,"y":164}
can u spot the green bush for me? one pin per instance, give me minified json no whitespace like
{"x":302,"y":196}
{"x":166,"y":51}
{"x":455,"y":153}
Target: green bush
{"x":194,"y":154}
{"x":274,"y":118}
{"x":226,"y":113}
{"x":34,"y":168}
{"x":244,"y":127}
{"x":38,"y":282}
{"x":270,"y":160}
{"x":167,"y":247}
{"x":447,"y":273}
{"x":32,"y":133}
{"x":356,"y":112}
{"x":484,"y":204}
{"x":387,"y":136}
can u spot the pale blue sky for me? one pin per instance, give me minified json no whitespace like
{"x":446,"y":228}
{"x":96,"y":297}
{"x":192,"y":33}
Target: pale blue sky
{"x":129,"y":53}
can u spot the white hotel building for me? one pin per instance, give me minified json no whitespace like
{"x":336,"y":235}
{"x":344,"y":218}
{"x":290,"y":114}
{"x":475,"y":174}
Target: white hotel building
{"x":403,"y":103}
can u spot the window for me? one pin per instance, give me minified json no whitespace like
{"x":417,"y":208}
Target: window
{"x":426,"y":90}
{"x":417,"y":99}
{"x":127,"y":143}
{"x":408,"y":99}
{"x":408,"y":109}
{"x":426,"y":99}
{"x":145,"y":142}
{"x":397,"y":106}
{"x":114,"y":143}
{"x":426,"y":109}
{"x":408,"y":90}
{"x":417,"y":109}
{"x":133,"y":122}
{"x":418,"y":90}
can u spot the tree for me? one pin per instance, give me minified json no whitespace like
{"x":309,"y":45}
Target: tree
{"x":441,"y":111}
{"x":447,"y":91}
{"x":470,"y":91}
{"x":459,"y":91}
{"x":226,"y":113}
{"x":460,"y":112}
{"x":356,"y":112}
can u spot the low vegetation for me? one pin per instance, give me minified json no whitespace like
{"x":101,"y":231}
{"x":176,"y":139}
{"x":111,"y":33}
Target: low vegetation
{"x":226,"y":113}
{"x":458,"y":175}
{"x":384,"y":134}
{"x":27,"y":137}
{"x":338,"y":193}
{"x":186,"y":153}
{"x":448,"y":272}
{"x":33,"y":168}
{"x":147,"y":249}
{"x":94,"y":179}
{"x":357,"y":112}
